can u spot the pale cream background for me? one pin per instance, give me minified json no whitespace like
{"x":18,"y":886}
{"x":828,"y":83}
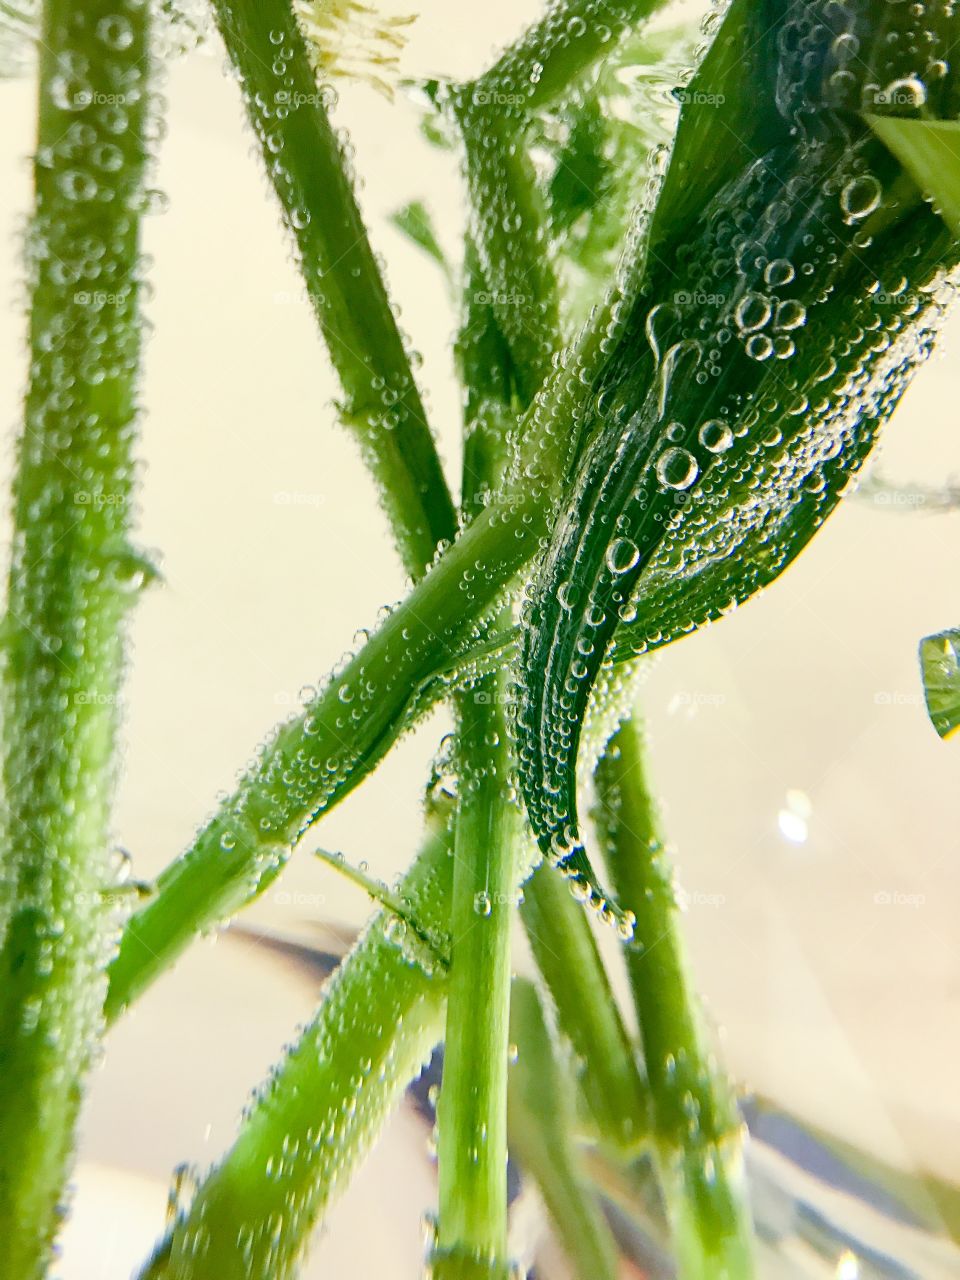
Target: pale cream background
{"x":840,"y":1008}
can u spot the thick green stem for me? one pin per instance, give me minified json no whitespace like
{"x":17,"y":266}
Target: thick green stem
{"x":566,"y":953}
{"x":305,"y":1130}
{"x":472,"y":1115}
{"x":697,"y":1129}
{"x":310,"y":174}
{"x":73,"y":577}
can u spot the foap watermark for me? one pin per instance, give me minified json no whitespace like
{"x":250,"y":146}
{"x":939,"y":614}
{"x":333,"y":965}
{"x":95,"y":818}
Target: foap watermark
{"x":100,"y":298}
{"x":297,"y":498}
{"x":501,"y":299}
{"x":897,"y":698}
{"x":288,"y":98}
{"x":484,"y":901}
{"x":98,"y":499}
{"x":502,"y":697}
{"x":698,"y":298}
{"x":896,"y":898}
{"x":298,"y":898}
{"x":93,"y":698}
{"x":687,"y":898}
{"x":692,"y":699}
{"x":902,"y":93}
{"x":910,"y":499}
{"x":295,"y":297}
{"x":497,"y":98}
{"x":697,"y":98}
{"x":94,"y":98}
{"x":904,"y":298}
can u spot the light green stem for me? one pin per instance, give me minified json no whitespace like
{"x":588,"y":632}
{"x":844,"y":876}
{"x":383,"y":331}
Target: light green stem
{"x":472,"y":1114}
{"x":553,"y":53}
{"x":542,"y":1126}
{"x":566,"y":953}
{"x":73,"y":577}
{"x":380,"y":1017}
{"x":310,"y":174}
{"x":697,"y":1129}
{"x":315,"y":760}
{"x":508,"y":225}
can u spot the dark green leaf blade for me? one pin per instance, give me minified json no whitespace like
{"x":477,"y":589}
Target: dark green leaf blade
{"x":770,"y":340}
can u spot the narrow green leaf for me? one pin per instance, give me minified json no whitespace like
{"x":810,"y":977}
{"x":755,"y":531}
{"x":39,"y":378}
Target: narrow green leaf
{"x":553,"y":53}
{"x":570,"y":964}
{"x":472,"y":1111}
{"x":769,"y":341}
{"x":940,"y":665}
{"x":929,"y":150}
{"x":696,"y":1126}
{"x":542,"y":1122}
{"x":414,"y":221}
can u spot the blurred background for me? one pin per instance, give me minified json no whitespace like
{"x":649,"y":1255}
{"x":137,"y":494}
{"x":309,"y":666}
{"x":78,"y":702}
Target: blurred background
{"x":814,"y":810}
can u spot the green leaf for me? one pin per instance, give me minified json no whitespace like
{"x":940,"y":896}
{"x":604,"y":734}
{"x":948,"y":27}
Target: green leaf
{"x":542,"y":1121}
{"x":695,"y":1122}
{"x":767,"y":343}
{"x":582,"y":174}
{"x":570,"y":964}
{"x":940,"y":665}
{"x":313,"y":184}
{"x":929,"y":150}
{"x":414,"y":221}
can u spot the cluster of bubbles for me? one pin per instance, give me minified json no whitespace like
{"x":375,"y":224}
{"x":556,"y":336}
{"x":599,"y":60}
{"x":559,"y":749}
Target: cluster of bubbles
{"x":854,"y":55}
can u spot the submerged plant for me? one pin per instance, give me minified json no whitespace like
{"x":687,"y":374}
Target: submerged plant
{"x":675,"y":360}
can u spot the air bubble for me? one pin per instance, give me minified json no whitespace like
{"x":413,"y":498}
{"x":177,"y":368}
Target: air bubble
{"x":677,"y":468}
{"x":716,"y":436}
{"x":622,"y":555}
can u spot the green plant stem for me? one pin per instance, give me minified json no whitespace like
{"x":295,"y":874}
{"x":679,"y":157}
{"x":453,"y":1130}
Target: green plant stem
{"x":73,"y":577}
{"x":508,"y":225}
{"x":554,"y":52}
{"x":305,"y":1130}
{"x":569,"y":961}
{"x":472,"y":1114}
{"x":697,"y":1129}
{"x":471,"y":1237}
{"x":311,"y":176}
{"x":313,"y":761}
{"x":542,"y":1122}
